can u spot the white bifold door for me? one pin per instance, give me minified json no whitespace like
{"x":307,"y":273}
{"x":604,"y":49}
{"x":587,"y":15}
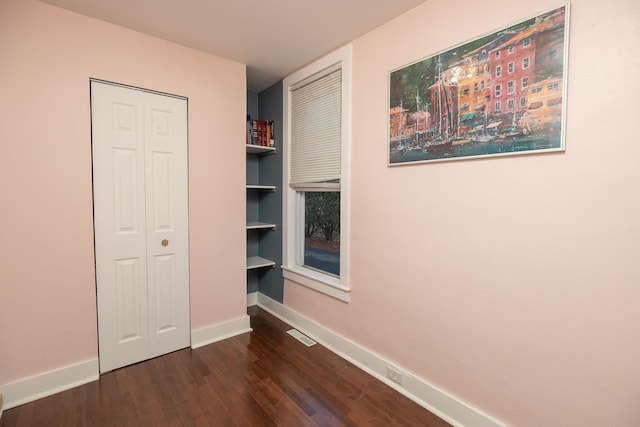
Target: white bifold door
{"x":139,"y":144}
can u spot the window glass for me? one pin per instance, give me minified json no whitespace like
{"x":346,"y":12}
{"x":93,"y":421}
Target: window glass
{"x":322,"y":231}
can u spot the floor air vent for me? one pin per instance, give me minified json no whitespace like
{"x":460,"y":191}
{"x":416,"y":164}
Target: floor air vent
{"x":301,"y":337}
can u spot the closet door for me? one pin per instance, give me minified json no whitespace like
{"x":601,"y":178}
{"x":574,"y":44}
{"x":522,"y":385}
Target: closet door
{"x":139,"y":142}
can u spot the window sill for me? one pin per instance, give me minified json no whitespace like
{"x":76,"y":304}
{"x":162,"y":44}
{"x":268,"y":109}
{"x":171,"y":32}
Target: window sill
{"x":317,"y":281}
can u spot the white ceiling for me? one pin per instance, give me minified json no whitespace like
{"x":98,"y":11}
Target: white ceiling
{"x":273,"y":37}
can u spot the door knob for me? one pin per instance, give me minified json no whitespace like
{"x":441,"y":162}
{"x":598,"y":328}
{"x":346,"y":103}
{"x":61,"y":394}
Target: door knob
{"x":165,"y":242}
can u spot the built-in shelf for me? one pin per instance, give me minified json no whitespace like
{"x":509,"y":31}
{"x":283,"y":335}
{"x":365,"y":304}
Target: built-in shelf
{"x":258,"y":262}
{"x":255,"y":262}
{"x":262,"y":187}
{"x":260,"y":149}
{"x":256,"y":225}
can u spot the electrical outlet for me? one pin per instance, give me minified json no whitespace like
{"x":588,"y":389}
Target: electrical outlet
{"x":394,"y":375}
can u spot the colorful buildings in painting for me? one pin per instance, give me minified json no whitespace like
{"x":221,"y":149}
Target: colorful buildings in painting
{"x":475,"y":88}
{"x":527,"y":57}
{"x":518,"y":64}
{"x":405,"y":128}
{"x":398,"y":129}
{"x":544,"y":109}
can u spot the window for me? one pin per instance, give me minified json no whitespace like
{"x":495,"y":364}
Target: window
{"x":498,"y":90}
{"x":482,"y":85}
{"x":510,"y":49}
{"x":510,"y":104}
{"x":525,"y":82}
{"x":553,"y":102}
{"x":523,"y":102}
{"x":511,"y":86}
{"x":316,"y":103}
{"x":553,"y":86}
{"x":498,"y":70}
{"x":526,"y":42}
{"x":525,"y":63}
{"x":315,"y":168}
{"x":536,"y":89}
{"x":497,"y":54}
{"x":475,"y":87}
{"x":497,"y":107}
{"x":511,"y":67}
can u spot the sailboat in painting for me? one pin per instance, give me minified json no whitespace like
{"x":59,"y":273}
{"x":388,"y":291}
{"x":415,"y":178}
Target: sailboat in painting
{"x":441,"y":140}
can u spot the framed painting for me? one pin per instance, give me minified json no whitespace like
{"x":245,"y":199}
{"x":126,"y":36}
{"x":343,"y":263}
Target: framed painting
{"x":499,"y":94}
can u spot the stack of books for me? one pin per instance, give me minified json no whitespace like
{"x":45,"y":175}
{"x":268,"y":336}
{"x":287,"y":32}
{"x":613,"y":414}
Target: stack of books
{"x":260,"y":132}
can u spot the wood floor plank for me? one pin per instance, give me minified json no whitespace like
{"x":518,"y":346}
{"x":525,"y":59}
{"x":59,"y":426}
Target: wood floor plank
{"x":261,"y":378}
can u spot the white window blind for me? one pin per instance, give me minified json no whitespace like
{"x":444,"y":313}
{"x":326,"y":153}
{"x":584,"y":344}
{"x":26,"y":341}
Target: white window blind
{"x":316,"y":133}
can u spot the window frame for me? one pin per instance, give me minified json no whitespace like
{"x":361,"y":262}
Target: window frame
{"x":511,"y":105}
{"x":293,"y":199}
{"x":523,"y":102}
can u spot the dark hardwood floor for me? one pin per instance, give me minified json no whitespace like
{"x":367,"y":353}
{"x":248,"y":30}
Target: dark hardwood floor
{"x":262,"y":378}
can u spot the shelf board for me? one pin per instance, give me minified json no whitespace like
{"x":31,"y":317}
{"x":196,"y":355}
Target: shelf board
{"x":258,"y":262}
{"x":255,"y":225}
{"x":261,"y":187}
{"x":260,"y":149}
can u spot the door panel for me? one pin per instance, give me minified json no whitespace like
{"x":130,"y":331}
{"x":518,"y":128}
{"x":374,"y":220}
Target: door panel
{"x":139,"y":142}
{"x":125,"y":198}
{"x":129,"y":294}
{"x":167,"y":223}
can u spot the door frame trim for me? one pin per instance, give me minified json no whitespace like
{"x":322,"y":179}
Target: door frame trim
{"x":142,"y":89}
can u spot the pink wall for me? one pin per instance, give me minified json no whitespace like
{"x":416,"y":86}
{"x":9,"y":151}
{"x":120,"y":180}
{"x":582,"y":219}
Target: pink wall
{"x":47,"y":285}
{"x":511,"y":283}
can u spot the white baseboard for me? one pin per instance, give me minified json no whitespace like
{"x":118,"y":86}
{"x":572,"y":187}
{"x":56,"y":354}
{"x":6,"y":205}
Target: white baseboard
{"x":252,"y":299}
{"x":48,"y":383}
{"x":219,"y":332}
{"x":439,"y":402}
